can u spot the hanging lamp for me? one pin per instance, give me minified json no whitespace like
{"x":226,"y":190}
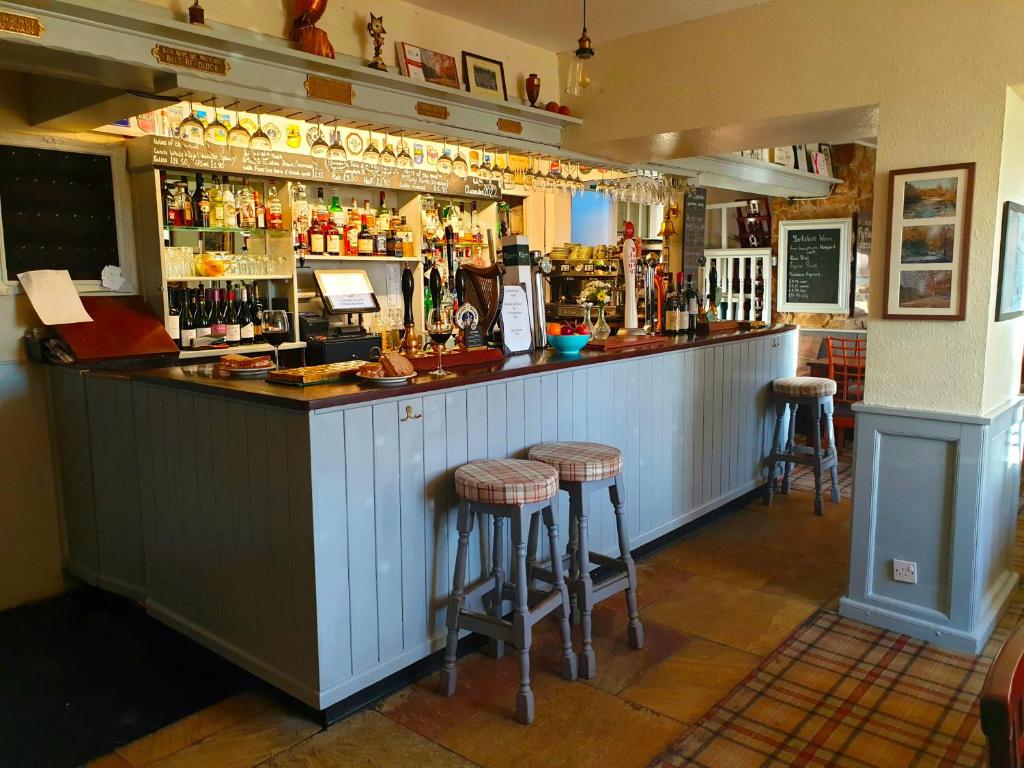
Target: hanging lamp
{"x":579,"y":80}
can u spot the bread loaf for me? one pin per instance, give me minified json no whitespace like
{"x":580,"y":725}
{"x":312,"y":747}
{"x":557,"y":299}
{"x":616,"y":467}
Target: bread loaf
{"x":396,"y":364}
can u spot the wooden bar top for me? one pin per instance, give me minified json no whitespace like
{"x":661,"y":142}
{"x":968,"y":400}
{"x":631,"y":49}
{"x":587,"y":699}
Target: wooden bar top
{"x":202,"y":378}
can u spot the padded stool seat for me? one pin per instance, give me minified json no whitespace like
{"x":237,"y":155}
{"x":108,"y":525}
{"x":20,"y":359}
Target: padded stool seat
{"x":506,"y":481}
{"x":804,"y":386}
{"x":580,"y":462}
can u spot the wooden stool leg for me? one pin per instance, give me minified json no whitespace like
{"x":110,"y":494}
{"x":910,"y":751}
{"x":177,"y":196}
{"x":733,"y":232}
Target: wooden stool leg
{"x":572,"y":549}
{"x":773,"y":462}
{"x":819,"y":505}
{"x":496,"y":648}
{"x":579,"y":507}
{"x":568,"y":656}
{"x":531,"y":550}
{"x":521,"y":619}
{"x":829,"y":407}
{"x":790,"y":442}
{"x":636,"y":629}
{"x":446,"y":686}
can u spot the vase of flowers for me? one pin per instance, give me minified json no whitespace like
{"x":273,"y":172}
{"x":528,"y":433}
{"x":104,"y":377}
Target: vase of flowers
{"x":598,"y":293}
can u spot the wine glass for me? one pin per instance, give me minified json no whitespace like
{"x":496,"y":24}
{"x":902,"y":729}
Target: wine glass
{"x":439,"y":326}
{"x":238,"y":136}
{"x":275,"y":330}
{"x":459,"y":165}
{"x":259,"y":140}
{"x":319,"y":147}
{"x":191,"y":128}
{"x":336,"y":152}
{"x":216,"y":133}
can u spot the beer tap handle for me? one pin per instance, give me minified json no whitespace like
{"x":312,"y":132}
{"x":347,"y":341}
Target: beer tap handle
{"x":407,"y":291}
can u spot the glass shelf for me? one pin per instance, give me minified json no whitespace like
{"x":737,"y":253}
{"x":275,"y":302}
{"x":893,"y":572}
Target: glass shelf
{"x":222,"y":230}
{"x":170,"y":279}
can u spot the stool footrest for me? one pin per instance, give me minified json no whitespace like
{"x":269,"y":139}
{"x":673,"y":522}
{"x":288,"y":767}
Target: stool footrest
{"x":491,"y":626}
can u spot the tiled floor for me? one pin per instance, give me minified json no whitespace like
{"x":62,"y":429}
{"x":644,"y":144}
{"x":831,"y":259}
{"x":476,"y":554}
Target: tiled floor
{"x":713,"y":605}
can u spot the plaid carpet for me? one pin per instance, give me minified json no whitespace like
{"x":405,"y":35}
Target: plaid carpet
{"x":841,"y":693}
{"x":802,"y":478}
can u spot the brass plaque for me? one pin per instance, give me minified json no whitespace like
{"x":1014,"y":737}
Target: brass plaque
{"x":510,"y":126}
{"x":201,"y":62}
{"x":329,"y":90}
{"x":432,"y":110}
{"x":21,"y":25}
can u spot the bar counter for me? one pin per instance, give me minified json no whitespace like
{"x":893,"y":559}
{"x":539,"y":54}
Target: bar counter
{"x":308,"y":534}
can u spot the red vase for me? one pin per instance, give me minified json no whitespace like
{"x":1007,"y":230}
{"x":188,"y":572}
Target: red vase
{"x":533,"y":89}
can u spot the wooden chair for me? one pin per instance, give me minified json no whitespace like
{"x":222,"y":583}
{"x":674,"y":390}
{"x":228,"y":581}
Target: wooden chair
{"x":1002,"y":704}
{"x":847,"y":364}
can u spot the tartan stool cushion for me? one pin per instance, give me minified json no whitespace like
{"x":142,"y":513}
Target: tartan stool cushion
{"x":506,"y":481}
{"x":804,"y":386}
{"x":579,"y":462}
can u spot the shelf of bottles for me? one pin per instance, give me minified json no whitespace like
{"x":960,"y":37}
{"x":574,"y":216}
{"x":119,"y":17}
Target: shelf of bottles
{"x":743,"y":280}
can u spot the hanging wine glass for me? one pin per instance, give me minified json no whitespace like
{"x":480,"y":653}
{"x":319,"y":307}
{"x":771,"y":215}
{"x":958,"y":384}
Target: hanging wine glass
{"x":444,"y":162}
{"x":260,"y":140}
{"x":508,"y":177}
{"x":486,"y":169}
{"x":319,"y":147}
{"x":191,"y":128}
{"x":336,"y":152}
{"x":216,"y":133}
{"x":404,"y":158}
{"x":372,"y":155}
{"x":238,"y":136}
{"x":528,"y":177}
{"x":388,"y":157}
{"x":459,"y":165}
{"x":540,"y":177}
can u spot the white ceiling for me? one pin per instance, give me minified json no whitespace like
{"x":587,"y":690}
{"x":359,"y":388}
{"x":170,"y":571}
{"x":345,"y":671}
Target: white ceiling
{"x":555,"y":24}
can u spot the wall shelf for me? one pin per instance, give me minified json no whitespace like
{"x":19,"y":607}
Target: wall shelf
{"x":250,"y":278}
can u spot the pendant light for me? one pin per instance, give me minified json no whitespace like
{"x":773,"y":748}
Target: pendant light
{"x":579,"y":79}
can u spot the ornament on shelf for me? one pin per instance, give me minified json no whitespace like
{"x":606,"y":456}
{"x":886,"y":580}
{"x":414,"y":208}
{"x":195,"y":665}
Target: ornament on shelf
{"x":305,"y":32}
{"x":196,"y":14}
{"x":533,"y":89}
{"x":376,"y":29}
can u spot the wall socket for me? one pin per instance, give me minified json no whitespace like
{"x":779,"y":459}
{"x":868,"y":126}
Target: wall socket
{"x":905,"y":571}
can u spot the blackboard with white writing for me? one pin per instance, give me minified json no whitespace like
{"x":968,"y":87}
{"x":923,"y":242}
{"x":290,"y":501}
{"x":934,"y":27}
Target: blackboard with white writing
{"x":814,"y":262}
{"x":695,"y":204}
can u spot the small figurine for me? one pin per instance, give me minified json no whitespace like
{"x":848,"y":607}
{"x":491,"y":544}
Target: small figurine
{"x":377,"y":32}
{"x":306,"y":34}
{"x":196,"y":14}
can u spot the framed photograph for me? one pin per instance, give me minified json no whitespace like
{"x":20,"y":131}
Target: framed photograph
{"x":1010,"y":290}
{"x":429,"y":66}
{"x":814,"y":265}
{"x":927,"y":242}
{"x":484,"y":77}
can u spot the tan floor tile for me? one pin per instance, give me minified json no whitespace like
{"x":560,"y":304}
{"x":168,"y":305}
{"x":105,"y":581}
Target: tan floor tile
{"x":370,"y":740}
{"x":812,"y":536}
{"x":687,"y":684}
{"x":189,"y":730}
{"x":747,"y":524}
{"x":247,"y":743}
{"x":745,"y":619}
{"x":113,"y":760}
{"x":654,"y":581}
{"x":809,"y":579}
{"x":576,"y":725}
{"x":712,"y":553}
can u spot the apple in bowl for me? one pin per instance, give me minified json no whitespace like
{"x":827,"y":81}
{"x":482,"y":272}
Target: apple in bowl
{"x":568,"y":338}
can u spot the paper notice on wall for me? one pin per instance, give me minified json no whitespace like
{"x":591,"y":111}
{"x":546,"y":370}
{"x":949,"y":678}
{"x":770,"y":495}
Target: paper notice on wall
{"x":394,"y":287}
{"x":54,"y":297}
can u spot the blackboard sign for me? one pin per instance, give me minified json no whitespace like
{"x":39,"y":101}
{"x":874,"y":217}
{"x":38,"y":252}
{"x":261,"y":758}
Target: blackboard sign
{"x":695,"y":204}
{"x":814,"y":265}
{"x":57,"y":211}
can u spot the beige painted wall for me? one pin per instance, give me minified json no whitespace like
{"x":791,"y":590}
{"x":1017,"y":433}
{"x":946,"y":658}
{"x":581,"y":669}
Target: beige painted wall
{"x":345,"y":24}
{"x":797,"y":57}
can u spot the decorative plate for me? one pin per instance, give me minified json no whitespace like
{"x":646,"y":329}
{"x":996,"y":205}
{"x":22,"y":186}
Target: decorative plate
{"x":354,"y":144}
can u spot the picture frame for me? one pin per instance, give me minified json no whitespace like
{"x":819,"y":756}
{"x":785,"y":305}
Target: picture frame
{"x":1010,"y":282}
{"x":927,"y":242}
{"x":429,"y":66}
{"x":814,"y":264}
{"x":484,"y":77}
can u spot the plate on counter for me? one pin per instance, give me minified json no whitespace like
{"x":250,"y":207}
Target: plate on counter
{"x":385,"y":381}
{"x":248,"y":373}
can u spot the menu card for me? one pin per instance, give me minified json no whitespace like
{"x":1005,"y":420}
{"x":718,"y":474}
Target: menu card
{"x":516,"y":330}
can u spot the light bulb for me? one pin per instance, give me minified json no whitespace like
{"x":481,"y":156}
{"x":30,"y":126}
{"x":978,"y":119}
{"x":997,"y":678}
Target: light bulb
{"x":578,"y":80}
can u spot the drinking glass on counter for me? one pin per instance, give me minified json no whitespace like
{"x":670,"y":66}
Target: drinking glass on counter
{"x":275,"y":330}
{"x":439,"y":326}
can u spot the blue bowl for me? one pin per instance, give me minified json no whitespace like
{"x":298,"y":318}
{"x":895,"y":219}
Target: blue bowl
{"x":568,"y":345}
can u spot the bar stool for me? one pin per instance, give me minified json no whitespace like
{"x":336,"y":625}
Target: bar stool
{"x":792,"y":393}
{"x":582,"y":469}
{"x":522,"y":492}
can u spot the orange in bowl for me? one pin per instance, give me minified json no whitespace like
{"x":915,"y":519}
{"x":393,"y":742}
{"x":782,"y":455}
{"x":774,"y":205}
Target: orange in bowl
{"x":213,"y":264}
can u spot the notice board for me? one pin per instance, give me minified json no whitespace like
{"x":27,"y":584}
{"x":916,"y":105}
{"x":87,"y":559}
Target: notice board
{"x":695,"y":204}
{"x":814,"y":265}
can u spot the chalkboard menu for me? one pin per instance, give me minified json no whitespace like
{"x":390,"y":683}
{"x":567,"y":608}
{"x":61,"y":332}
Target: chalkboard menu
{"x":164,"y":152}
{"x":814,"y":265}
{"x":57,"y":211}
{"x":695,"y":204}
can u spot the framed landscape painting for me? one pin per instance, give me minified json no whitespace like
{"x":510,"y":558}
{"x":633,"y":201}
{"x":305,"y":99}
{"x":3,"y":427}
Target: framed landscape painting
{"x":1010,"y":290}
{"x":927,"y":242}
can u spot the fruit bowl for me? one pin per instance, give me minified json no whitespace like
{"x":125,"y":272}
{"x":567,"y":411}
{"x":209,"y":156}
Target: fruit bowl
{"x":569,"y":345}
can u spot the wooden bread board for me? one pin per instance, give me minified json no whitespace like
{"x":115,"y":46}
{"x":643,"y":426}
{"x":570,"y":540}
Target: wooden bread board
{"x":625,"y":342}
{"x":455,"y":358}
{"x":315,"y":374}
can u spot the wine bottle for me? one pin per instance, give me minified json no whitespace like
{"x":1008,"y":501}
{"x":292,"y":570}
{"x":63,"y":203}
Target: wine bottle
{"x":201,"y":203}
{"x":172,"y":322}
{"x":232,"y":328}
{"x":692,"y":302}
{"x":187,"y":325}
{"x":246,"y":328}
{"x":365,"y":239}
{"x":203,"y":314}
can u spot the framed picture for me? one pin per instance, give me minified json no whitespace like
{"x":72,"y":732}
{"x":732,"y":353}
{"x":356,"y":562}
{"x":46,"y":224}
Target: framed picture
{"x":429,"y":66}
{"x":1010,"y":290}
{"x":814,"y":265}
{"x":484,"y":77}
{"x":927,"y":241}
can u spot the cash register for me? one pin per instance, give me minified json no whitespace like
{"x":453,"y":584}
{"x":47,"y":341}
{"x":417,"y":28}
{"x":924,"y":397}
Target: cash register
{"x":337,"y":333}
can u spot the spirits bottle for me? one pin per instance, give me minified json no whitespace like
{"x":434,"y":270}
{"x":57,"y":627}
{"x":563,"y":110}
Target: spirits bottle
{"x":337,"y":214}
{"x":184,"y":203}
{"x":246,"y":206}
{"x":216,"y":204}
{"x":383,"y":216}
{"x":230,"y":206}
{"x":405,"y":238}
{"x":275,"y":211}
{"x":317,"y":238}
{"x":200,"y":204}
{"x":333,"y":236}
{"x":352,"y":227}
{"x":300,"y":218}
{"x":320,"y":210}
{"x":261,"y":211}
{"x":365,"y":239}
{"x":475,"y":231}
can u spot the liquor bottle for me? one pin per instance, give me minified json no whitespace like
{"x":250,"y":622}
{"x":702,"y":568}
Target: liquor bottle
{"x":674,"y":312}
{"x":475,"y":231}
{"x":230,"y":206}
{"x":366,"y":211}
{"x":692,"y":303}
{"x":320,"y":210}
{"x":256,"y":311}
{"x":759,"y":293}
{"x":389,"y":246}
{"x":260,"y":209}
{"x":301,"y":218}
{"x":168,"y":192}
{"x":405,"y":238}
{"x":333,"y":236}
{"x":216,"y":204}
{"x":275,"y":214}
{"x":352,"y":226}
{"x":200,"y":204}
{"x":246,"y":327}
{"x":172,"y":321}
{"x":337,"y":214}
{"x":246,"y":206}
{"x":202,"y":316}
{"x":667,"y":312}
{"x":380,"y":242}
{"x":713,"y":294}
{"x":232,"y":329}
{"x":185,"y":203}
{"x":365,"y":244}
{"x":217,"y":322}
{"x":187,"y":324}
{"x":317,"y":238}
{"x":175,"y":202}
{"x":383,"y":216}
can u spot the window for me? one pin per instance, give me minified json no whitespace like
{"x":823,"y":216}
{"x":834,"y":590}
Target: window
{"x":646,"y":218}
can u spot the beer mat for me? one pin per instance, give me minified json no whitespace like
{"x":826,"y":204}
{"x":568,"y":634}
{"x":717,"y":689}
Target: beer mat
{"x":315,"y":374}
{"x":427,"y":361}
{"x":624,"y":342}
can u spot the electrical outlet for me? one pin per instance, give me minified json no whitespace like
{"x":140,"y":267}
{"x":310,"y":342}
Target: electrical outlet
{"x":905,"y":571}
